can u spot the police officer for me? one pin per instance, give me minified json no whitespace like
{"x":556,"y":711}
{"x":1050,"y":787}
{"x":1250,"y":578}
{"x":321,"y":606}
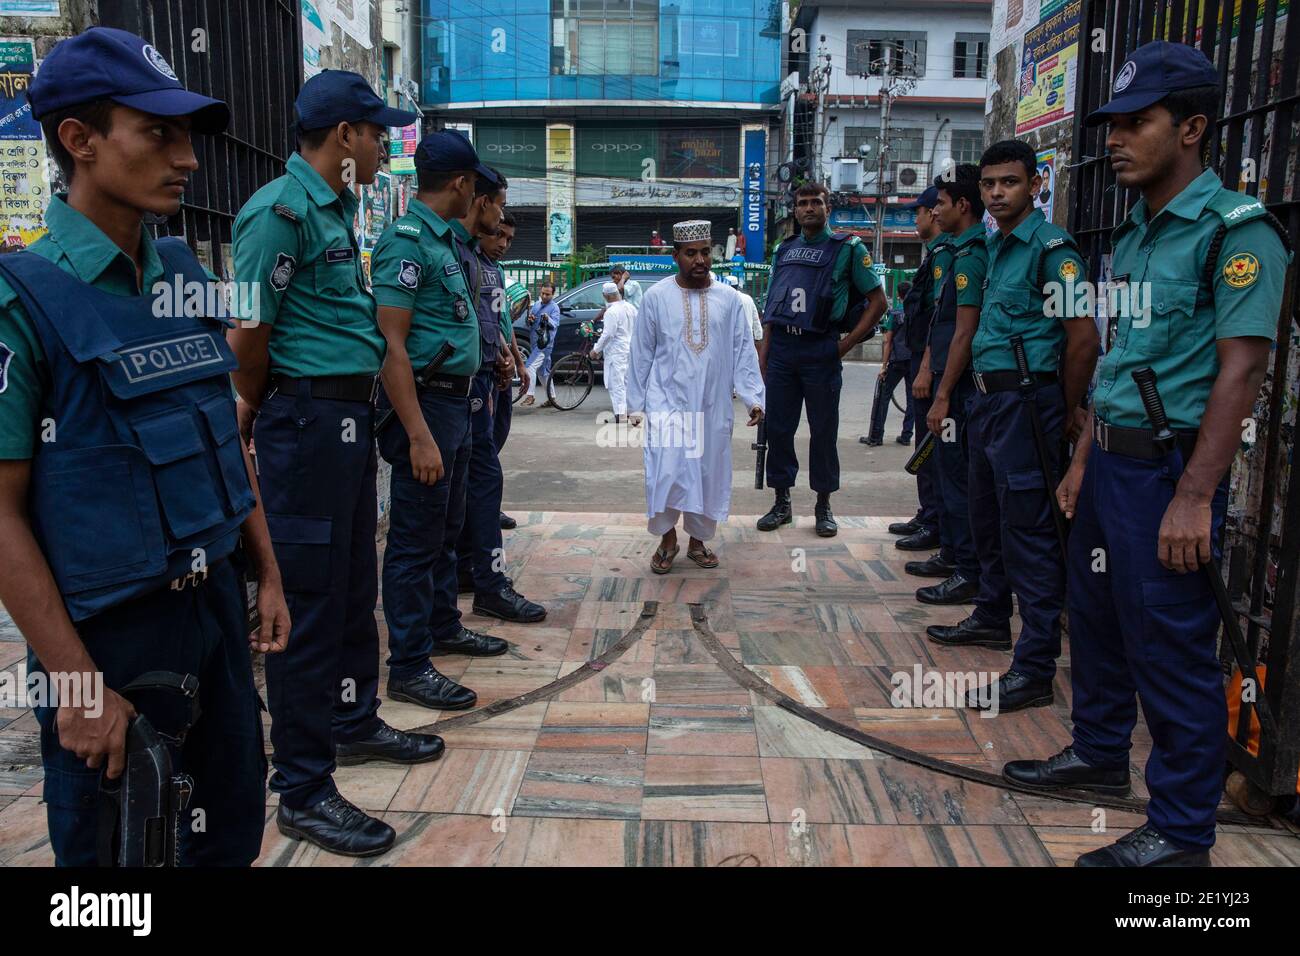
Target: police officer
{"x":1199,"y":272}
{"x":960,"y":213}
{"x":426,"y":301}
{"x":307,"y":368}
{"x":124,"y":488}
{"x":922,"y":532}
{"x":479,"y":547}
{"x":895,"y":364}
{"x":822,"y":284}
{"x":1009,"y":481}
{"x":517,"y":303}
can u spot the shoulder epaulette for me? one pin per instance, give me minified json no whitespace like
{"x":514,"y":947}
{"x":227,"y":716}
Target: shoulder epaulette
{"x":410,"y":230}
{"x":1053,"y":242}
{"x":280,"y":209}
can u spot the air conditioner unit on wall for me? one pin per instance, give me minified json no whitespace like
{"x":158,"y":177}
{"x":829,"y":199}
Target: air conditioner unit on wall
{"x":911,"y":178}
{"x":846,"y":176}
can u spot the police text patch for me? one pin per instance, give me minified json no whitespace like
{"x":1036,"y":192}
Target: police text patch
{"x":409,"y":275}
{"x":170,"y":357}
{"x":285,"y":265}
{"x":1242,"y":270}
{"x":6,"y":356}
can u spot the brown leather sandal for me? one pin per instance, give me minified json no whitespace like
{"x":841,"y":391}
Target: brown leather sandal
{"x":703,"y":557}
{"x":662,"y":562}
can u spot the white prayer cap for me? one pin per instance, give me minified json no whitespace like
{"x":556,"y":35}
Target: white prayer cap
{"x":731,"y":281}
{"x":693,"y":230}
{"x":609,"y":288}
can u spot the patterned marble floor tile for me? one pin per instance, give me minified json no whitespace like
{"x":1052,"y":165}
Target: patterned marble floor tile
{"x":707,"y":729}
{"x":1255,"y":849}
{"x":531,"y":642}
{"x":1032,"y":734}
{"x":928,"y":730}
{"x":920,"y":796}
{"x":680,"y":647}
{"x":802,"y":790}
{"x":495,"y":678}
{"x":811,"y":686}
{"x":696,"y":684}
{"x":869,"y":686}
{"x":586,"y":786}
{"x":838,"y":616}
{"x":514,"y":730}
{"x":371,"y":786}
{"x":800,"y":648}
{"x":464,"y":781}
{"x":595,"y":727}
{"x":783,"y":734}
{"x":26,"y":839}
{"x":703,"y":788}
{"x":886,"y":648}
{"x":839,"y":845}
{"x":618,"y":616}
{"x":1046,"y":812}
{"x":771,"y":610}
{"x":542,"y":841}
{"x":676,"y":843}
{"x":622,"y":682}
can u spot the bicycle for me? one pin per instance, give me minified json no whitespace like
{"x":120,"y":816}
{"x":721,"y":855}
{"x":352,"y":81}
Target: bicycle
{"x":573,"y":375}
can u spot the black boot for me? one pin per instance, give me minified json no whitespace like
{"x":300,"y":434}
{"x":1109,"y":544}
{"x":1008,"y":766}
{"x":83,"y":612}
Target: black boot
{"x":780,"y":513}
{"x":971,"y":631}
{"x":507,"y":523}
{"x":1014,"y":691}
{"x":957,"y":589}
{"x":1145,"y":846}
{"x":923,"y":540}
{"x":433,"y":690}
{"x":337,"y":826}
{"x":910,"y":526}
{"x":391,"y":745}
{"x":826,"y":526}
{"x":1065,"y":770}
{"x":935,"y":566}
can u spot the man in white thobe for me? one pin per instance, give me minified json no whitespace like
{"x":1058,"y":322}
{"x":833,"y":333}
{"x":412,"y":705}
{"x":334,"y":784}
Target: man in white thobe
{"x":692,"y":347}
{"x":614,"y":344}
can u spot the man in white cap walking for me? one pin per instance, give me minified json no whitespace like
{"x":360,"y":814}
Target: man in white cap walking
{"x":692,"y":347}
{"x":615,"y":344}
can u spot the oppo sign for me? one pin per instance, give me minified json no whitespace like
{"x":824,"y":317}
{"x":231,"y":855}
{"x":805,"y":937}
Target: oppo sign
{"x":511,"y":148}
{"x":615,"y":147}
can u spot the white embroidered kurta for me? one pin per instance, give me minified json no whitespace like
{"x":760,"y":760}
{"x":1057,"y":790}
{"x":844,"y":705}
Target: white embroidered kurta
{"x":687,"y":395}
{"x":614,"y":344}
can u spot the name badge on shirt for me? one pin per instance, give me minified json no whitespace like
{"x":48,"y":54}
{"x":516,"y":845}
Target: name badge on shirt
{"x":451,"y":268}
{"x":340,"y":255}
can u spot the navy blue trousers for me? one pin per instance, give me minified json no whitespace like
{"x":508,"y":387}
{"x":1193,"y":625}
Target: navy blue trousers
{"x":1011,"y":520}
{"x":952,"y":466}
{"x":201,"y":631}
{"x":316,"y":463}
{"x":423,"y":525}
{"x":479,"y":549}
{"x":894,"y":373}
{"x":501,"y":416}
{"x":927,"y":489}
{"x":1138,"y":629}
{"x":803,"y":370}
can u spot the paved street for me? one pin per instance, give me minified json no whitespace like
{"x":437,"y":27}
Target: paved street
{"x":553,"y":460}
{"x":702,"y":718}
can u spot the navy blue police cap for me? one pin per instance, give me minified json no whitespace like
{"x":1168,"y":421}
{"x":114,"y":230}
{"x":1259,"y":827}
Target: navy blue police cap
{"x":1151,"y":73}
{"x":339,"y":96}
{"x":928,"y":199}
{"x":450,"y":151}
{"x":107,"y":64}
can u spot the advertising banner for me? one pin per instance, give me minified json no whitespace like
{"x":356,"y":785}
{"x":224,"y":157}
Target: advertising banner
{"x":753,"y":214}
{"x":1048,"y":67}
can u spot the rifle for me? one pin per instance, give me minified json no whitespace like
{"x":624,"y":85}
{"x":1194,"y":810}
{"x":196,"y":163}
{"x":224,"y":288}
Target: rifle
{"x":421,"y":381}
{"x":1040,"y":441}
{"x":1167,"y":442}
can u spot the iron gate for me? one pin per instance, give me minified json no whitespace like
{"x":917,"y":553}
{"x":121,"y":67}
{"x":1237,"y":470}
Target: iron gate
{"x":1257,"y":53}
{"x":248,"y":53}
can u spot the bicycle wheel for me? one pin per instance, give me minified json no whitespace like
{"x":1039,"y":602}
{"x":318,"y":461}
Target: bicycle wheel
{"x":571,"y":380}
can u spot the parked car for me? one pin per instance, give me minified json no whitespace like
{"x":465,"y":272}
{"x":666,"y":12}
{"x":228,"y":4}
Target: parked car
{"x":577,"y":305}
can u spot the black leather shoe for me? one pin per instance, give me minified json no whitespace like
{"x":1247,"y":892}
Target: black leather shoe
{"x":1015,"y":691}
{"x":1065,"y":770}
{"x":923,"y":540}
{"x":509,"y":605}
{"x":904,"y":439}
{"x":971,"y":632}
{"x":780,"y":513}
{"x":956,"y":590}
{"x":911,"y":526}
{"x":826,"y":526}
{"x":1145,"y":846}
{"x":473,"y":644}
{"x":868,"y":440}
{"x":433,"y":690}
{"x":508,"y":523}
{"x":391,"y":745}
{"x":337,"y":826}
{"x":935,"y":566}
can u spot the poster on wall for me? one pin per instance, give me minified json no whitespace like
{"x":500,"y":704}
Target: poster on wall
{"x":316,"y":18}
{"x":754,"y":214}
{"x":29,"y":8}
{"x":1043,"y":199}
{"x":559,"y":191}
{"x":1048,"y":66}
{"x":24,"y":180}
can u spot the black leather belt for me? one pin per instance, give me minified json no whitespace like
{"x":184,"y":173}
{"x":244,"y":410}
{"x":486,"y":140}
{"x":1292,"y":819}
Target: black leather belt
{"x":344,"y":388}
{"x":1008,"y":380}
{"x":1137,"y":442}
{"x":796,"y":330}
{"x":452,"y":386}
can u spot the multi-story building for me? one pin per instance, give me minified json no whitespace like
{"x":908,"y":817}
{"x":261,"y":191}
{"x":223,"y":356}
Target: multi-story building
{"x":935,"y":52}
{"x":611,"y":118}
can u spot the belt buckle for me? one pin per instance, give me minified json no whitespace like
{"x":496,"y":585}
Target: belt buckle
{"x":1101,"y":433}
{"x":193,"y":579}
{"x":793,"y":330}
{"x":979,"y":382}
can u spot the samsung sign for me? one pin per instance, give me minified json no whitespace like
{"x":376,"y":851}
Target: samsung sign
{"x":754,"y":211}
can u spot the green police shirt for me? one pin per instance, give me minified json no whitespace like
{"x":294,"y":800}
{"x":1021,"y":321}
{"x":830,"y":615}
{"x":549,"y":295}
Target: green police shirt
{"x":77,"y":246}
{"x":852,"y":263}
{"x":294,"y":239}
{"x":1024,"y":265}
{"x":1167,"y":318}
{"x":970,"y":265}
{"x":415,"y":267}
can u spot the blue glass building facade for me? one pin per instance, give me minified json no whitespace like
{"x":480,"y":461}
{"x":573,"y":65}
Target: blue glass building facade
{"x":651,"y":52}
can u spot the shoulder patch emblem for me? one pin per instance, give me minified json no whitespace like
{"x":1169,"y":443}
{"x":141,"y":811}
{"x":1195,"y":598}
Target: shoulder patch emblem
{"x":6,"y":356}
{"x":962,"y":281}
{"x":1242,"y":270}
{"x":938,"y":271}
{"x":280,"y":209}
{"x":409,"y":274}
{"x":285,"y":265}
{"x":866,"y":260}
{"x":1069,"y":270}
